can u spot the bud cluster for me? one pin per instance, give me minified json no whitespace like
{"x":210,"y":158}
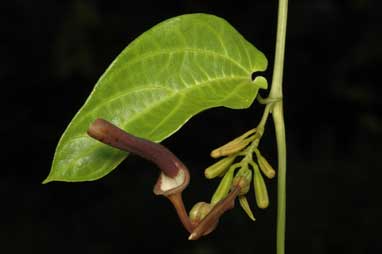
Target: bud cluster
{"x":237,"y":155}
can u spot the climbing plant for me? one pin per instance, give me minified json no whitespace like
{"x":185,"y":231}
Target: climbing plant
{"x":175,"y":70}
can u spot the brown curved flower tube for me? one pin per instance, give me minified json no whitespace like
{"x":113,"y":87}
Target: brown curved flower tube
{"x":110,"y":134}
{"x":174,"y":176}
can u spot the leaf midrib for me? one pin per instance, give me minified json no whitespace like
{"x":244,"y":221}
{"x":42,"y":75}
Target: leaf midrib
{"x":143,"y":57}
{"x":85,"y":152}
{"x":185,"y":90}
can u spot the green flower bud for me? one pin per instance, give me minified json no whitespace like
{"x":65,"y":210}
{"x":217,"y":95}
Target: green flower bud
{"x":233,"y":146}
{"x":225,"y":185}
{"x":199,"y":211}
{"x":229,"y":149}
{"x":265,"y":167}
{"x":261,"y":192}
{"x":244,"y":204}
{"x":219,"y":167}
{"x":243,"y":180}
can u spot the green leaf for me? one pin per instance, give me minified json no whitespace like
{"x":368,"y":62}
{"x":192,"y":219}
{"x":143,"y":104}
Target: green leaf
{"x":173,"y":71}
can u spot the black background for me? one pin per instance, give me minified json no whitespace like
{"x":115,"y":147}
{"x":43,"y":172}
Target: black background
{"x":52,"y":54}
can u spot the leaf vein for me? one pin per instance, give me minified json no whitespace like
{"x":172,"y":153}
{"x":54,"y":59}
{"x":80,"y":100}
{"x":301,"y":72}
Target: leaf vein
{"x":146,"y":56}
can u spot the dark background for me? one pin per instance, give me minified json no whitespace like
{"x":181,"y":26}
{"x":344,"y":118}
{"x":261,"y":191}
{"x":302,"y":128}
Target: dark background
{"x":52,"y":54}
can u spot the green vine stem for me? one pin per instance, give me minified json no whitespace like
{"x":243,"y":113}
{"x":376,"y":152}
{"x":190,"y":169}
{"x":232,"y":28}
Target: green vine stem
{"x":278,"y":118}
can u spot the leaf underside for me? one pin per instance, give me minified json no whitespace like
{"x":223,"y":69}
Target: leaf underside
{"x":171,"y":72}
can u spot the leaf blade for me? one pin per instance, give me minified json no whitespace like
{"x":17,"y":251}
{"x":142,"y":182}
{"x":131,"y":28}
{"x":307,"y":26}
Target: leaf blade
{"x":173,"y":71}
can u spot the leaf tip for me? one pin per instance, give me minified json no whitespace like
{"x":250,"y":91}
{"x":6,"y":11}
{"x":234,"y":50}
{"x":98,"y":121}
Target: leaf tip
{"x":47,"y":180}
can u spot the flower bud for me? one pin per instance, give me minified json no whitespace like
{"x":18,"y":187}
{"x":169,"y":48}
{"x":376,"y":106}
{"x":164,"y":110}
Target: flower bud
{"x":199,"y":211}
{"x":244,"y":204}
{"x":219,"y":167}
{"x":261,"y":192}
{"x":229,"y":148}
{"x":233,"y":146}
{"x":243,"y":180}
{"x":265,"y":167}
{"x":225,"y":185}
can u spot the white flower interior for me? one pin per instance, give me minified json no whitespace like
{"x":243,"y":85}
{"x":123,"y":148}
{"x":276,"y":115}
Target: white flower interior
{"x":168,"y":183}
